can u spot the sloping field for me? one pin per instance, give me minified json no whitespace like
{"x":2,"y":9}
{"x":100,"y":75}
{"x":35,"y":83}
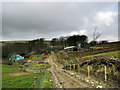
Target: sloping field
{"x":96,"y":58}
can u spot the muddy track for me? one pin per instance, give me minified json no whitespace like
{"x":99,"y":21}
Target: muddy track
{"x":62,"y":79}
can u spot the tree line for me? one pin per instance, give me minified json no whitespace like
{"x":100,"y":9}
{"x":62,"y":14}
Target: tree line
{"x":75,"y":40}
{"x":38,"y":46}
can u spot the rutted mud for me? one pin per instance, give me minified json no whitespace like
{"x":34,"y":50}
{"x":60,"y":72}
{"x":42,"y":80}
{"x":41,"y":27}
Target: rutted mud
{"x":62,"y":79}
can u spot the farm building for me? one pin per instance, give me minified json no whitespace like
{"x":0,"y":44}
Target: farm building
{"x":56,"y":47}
{"x":16,"y":57}
{"x":71,"y":48}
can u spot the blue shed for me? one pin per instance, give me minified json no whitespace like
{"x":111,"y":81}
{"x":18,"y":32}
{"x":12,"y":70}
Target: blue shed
{"x":16,"y":57}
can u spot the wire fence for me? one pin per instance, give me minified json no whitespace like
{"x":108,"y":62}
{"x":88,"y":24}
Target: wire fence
{"x":43,"y":79}
{"x":38,"y":81}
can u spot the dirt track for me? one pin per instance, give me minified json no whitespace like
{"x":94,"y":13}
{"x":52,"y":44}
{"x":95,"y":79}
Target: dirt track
{"x":62,"y":79}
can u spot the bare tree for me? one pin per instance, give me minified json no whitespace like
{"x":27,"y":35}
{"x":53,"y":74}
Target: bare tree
{"x":95,"y":36}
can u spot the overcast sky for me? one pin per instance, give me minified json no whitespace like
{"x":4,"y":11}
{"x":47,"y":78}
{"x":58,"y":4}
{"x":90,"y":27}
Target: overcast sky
{"x":29,"y":20}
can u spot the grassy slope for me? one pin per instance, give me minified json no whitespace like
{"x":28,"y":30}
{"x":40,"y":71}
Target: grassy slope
{"x":22,"y":81}
{"x":42,"y":65}
{"x":111,"y":53}
{"x":26,"y":80}
{"x":37,"y":57}
{"x":9,"y":68}
{"x":105,"y":54}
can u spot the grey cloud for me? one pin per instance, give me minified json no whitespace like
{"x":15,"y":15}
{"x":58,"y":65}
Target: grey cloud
{"x":33,"y":20}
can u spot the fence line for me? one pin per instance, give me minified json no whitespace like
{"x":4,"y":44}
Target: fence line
{"x":73,"y":68}
{"x":42,"y":79}
{"x":34,"y":82}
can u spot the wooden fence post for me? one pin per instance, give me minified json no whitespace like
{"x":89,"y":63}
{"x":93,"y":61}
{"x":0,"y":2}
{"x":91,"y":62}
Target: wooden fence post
{"x":105,"y":76}
{"x":88,"y":72}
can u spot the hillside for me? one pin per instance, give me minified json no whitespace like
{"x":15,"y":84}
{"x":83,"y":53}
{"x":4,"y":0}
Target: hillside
{"x":46,"y":41}
{"x":96,"y":58}
{"x":65,"y":67}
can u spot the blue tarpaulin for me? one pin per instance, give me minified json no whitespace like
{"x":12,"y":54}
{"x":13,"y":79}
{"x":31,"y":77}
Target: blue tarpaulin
{"x":16,"y":57}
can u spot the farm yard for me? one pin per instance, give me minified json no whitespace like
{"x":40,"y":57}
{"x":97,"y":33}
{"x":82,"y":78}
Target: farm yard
{"x":60,"y":45}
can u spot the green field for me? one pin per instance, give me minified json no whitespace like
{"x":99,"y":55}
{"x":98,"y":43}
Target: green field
{"x":23,"y":80}
{"x":9,"y":68}
{"x":36,"y":57}
{"x":106,"y":54}
{"x":43,"y":65}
